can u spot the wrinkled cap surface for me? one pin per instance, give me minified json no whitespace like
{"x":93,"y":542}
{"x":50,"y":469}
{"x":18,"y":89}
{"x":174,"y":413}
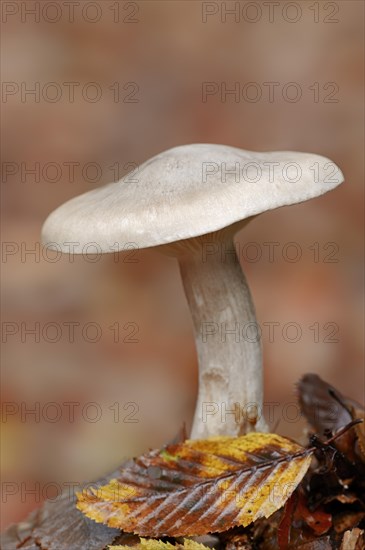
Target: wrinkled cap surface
{"x":185,"y":192}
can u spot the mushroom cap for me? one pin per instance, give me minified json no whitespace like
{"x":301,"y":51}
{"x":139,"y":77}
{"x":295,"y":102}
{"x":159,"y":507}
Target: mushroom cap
{"x":186,"y":192}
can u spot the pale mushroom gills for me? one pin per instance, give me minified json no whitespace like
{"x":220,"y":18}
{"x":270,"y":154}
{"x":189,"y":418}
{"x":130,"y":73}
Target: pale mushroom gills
{"x":189,"y":202}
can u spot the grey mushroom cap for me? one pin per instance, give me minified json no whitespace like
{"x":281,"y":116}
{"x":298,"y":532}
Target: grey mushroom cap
{"x":185,"y":192}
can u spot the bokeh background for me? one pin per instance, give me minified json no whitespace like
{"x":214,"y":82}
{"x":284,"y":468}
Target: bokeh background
{"x":160,"y":54}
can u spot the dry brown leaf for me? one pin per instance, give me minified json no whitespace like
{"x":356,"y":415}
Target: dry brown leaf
{"x":200,"y":486}
{"x":323,"y":543}
{"x":325,"y":408}
{"x":58,"y":525}
{"x":348,"y":520}
{"x":353,"y":540}
{"x":319,"y":406}
{"x":359,"y":413}
{"x":284,"y":527}
{"x":153,"y":544}
{"x":318,"y":520}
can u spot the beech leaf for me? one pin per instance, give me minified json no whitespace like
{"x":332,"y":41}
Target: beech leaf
{"x":200,"y":486}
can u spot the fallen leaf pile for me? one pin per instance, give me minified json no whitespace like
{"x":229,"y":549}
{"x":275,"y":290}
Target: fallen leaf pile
{"x":254,"y":492}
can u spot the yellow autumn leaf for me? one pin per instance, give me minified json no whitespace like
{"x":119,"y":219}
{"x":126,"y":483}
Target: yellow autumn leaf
{"x":200,"y":486}
{"x":148,"y":544}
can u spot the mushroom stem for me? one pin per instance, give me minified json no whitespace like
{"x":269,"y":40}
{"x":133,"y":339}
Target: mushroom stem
{"x":230,"y":395}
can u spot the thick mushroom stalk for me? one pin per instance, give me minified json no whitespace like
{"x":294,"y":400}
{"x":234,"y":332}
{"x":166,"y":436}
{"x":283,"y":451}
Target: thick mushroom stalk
{"x":230,"y":395}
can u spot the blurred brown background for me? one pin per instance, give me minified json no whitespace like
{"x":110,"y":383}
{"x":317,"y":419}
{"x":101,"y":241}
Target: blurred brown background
{"x":115,"y":83}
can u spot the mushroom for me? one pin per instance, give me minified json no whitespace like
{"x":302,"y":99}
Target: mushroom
{"x":189,"y":202}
